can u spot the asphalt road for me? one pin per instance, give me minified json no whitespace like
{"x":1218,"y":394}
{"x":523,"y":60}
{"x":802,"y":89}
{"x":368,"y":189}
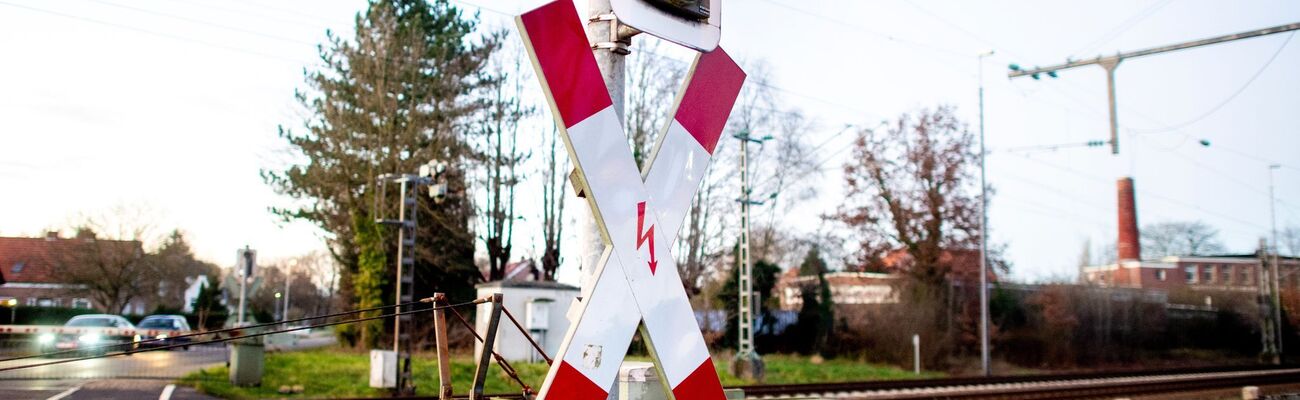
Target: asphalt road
{"x":139,"y":376}
{"x":147,"y":375}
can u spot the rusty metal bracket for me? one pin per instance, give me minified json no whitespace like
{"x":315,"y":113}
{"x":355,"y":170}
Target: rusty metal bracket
{"x":444,"y":350}
{"x":485,"y":358}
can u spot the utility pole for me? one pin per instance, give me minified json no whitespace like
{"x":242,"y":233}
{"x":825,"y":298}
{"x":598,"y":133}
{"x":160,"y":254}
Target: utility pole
{"x":1109,"y":63}
{"x":429,"y":175}
{"x":1269,"y":325}
{"x":1277,"y":293}
{"x":287,"y":279}
{"x":748,"y":364}
{"x":244,"y":262}
{"x":406,"y":229}
{"x":984,"y":233}
{"x":611,"y":43}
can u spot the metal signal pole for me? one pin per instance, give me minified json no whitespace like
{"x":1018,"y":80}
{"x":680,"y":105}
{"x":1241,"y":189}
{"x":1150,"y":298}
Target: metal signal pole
{"x":611,"y":47}
{"x":1277,"y":293}
{"x":406,"y":224}
{"x":1109,"y":63}
{"x":747,"y":363}
{"x":429,"y":175}
{"x":984,"y":232}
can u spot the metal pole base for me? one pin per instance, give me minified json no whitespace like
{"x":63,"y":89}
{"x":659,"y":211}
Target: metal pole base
{"x":748,"y":367}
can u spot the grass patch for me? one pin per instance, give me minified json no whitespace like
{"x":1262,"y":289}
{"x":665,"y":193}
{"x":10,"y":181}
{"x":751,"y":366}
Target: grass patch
{"x":340,"y":373}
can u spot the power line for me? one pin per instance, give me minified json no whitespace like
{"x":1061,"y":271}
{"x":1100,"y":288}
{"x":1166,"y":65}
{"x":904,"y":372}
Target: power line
{"x":1150,"y":194}
{"x":203,"y":22}
{"x":1231,"y":97}
{"x":1123,"y":27}
{"x":945,"y":21}
{"x":882,"y":35}
{"x":154,"y":33}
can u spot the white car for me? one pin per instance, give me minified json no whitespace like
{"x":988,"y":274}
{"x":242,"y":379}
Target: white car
{"x":94,"y":336}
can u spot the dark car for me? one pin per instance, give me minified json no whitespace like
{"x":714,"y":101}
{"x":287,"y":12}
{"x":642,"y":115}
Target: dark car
{"x":92,"y":333}
{"x":165,"y":328}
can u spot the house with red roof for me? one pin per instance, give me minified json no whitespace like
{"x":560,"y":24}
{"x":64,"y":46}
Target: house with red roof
{"x":32,"y":271}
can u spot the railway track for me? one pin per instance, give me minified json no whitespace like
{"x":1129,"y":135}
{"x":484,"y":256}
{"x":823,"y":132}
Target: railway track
{"x":1053,"y":386}
{"x":1044,"y":386}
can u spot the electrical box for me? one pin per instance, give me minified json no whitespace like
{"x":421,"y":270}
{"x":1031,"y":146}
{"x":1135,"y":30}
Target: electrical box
{"x":690,"y":9}
{"x":383,"y":369}
{"x":538,"y":314}
{"x":696,"y":24}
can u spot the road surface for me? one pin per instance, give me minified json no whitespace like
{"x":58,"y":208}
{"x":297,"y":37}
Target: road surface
{"x":146,"y":375}
{"x":139,"y":376}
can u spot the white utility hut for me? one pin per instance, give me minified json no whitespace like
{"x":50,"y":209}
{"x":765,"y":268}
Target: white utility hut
{"x":539,"y":306}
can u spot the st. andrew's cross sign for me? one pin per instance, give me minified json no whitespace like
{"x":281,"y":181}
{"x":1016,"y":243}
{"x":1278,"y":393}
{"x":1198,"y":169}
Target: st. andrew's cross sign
{"x":639,"y":215}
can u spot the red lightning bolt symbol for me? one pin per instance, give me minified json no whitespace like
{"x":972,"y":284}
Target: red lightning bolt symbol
{"x":647,"y":234}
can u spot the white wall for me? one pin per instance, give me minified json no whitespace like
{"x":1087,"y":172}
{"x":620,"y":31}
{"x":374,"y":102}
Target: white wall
{"x":511,"y":343}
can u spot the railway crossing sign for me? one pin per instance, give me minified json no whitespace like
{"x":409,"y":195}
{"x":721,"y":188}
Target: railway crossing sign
{"x":637,"y":282}
{"x":692,"y":23}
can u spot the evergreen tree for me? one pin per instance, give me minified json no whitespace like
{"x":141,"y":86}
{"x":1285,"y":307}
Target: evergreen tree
{"x":403,"y":92}
{"x":762,"y":281}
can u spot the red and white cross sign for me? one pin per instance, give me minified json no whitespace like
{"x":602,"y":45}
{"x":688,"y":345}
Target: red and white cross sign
{"x":637,"y":283}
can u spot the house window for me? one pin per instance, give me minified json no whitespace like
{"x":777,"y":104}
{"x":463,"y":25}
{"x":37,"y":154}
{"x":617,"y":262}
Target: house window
{"x":46,"y":302}
{"x":1161,"y":275}
{"x":1191,"y":273}
{"x":80,"y":303}
{"x":18,"y":267}
{"x":31,"y":302}
{"x":1207,"y":273}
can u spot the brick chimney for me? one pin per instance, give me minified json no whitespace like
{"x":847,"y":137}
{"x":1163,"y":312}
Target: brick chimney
{"x":1129,"y":246}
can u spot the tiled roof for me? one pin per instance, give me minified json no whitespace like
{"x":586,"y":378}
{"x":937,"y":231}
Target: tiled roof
{"x":35,"y":260}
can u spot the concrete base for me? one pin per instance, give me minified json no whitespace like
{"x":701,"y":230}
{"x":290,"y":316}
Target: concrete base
{"x":751,"y":367}
{"x":637,"y":380}
{"x":246,"y":364}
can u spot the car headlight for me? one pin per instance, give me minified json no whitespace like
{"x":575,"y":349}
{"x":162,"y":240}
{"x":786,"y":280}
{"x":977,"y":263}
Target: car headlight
{"x":161,"y":336}
{"x":89,"y":338}
{"x":45,"y":338}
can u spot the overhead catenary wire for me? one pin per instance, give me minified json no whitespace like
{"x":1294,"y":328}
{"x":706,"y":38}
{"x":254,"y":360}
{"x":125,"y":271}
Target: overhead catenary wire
{"x":154,"y":33}
{"x":1150,"y":194}
{"x":1122,"y":27}
{"x":1230,"y":97}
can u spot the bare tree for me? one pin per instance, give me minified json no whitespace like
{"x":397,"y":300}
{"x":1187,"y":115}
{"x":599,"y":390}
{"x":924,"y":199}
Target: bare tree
{"x":107,"y":257}
{"x":1180,"y":238}
{"x":652,"y":84}
{"x":553,"y":180}
{"x":502,"y":157}
{"x":1290,"y":240}
{"x":910,"y":187}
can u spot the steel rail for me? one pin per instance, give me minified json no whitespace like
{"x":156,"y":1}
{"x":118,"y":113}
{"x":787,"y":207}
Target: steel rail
{"x":1037,"y":386}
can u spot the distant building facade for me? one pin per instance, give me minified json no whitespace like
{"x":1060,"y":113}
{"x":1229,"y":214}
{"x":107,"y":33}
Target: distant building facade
{"x":847,"y":288}
{"x":1231,"y":272}
{"x":31,"y":276}
{"x":1222,"y":272}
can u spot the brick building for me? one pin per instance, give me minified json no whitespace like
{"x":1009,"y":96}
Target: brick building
{"x":30,"y":269}
{"x":847,"y":288}
{"x":1237,"y":272}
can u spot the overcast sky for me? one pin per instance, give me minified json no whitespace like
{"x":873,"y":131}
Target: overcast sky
{"x":173,"y":105}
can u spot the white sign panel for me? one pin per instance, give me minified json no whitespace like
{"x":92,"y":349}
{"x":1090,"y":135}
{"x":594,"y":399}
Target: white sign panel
{"x":637,"y":282}
{"x":698,"y":34}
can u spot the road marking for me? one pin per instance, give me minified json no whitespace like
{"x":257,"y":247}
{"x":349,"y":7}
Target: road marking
{"x":167,"y":392}
{"x":65,"y":393}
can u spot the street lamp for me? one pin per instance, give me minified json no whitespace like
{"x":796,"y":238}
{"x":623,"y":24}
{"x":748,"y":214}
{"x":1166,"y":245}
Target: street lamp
{"x":13,"y":309}
{"x":984,"y":219}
